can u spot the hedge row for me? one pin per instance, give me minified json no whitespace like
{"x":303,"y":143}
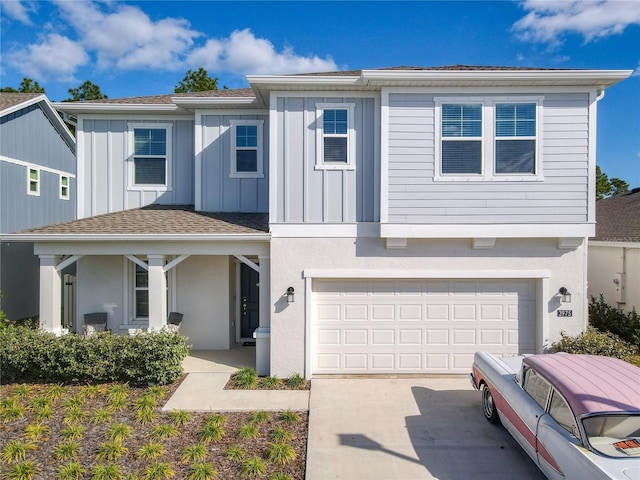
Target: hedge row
{"x":610,"y":319}
{"x":147,"y":358}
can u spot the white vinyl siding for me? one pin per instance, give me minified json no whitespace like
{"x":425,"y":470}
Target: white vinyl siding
{"x":418,"y":326}
{"x":560,"y":196}
{"x":246,"y":149}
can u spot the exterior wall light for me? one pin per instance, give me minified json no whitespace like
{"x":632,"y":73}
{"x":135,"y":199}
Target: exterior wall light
{"x":290,"y":294}
{"x":566,"y":296}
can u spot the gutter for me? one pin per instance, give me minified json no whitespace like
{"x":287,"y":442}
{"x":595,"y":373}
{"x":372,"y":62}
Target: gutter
{"x":167,"y":237}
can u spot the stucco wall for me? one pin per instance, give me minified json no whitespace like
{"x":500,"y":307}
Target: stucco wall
{"x":605,"y":264}
{"x":198,"y":288}
{"x":290,"y":257}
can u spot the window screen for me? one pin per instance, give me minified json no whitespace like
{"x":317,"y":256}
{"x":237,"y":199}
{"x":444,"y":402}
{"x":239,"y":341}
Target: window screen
{"x":461,"y":138}
{"x":150,"y":161}
{"x":515,"y":138}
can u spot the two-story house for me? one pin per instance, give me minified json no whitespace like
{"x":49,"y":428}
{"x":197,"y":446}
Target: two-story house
{"x":371,"y":221}
{"x":37,"y":187}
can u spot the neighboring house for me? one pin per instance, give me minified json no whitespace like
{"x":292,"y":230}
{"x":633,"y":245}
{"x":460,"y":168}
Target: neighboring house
{"x":614,"y":252}
{"x":37,"y":187}
{"x":370,"y":221}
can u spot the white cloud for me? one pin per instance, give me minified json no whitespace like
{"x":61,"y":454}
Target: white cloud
{"x":243,"y":53}
{"x":118,"y":36}
{"x":127,"y":38}
{"x":54,"y":54}
{"x":547,"y":21}
{"x":18,"y":10}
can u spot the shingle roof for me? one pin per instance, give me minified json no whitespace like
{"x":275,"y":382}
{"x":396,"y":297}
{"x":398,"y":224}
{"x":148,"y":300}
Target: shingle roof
{"x":166,"y":99}
{"x":161,"y":220}
{"x":8,"y":100}
{"x":618,"y":218}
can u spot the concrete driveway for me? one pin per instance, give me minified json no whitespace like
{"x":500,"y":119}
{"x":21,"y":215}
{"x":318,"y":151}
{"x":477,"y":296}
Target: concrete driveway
{"x":407,"y":428}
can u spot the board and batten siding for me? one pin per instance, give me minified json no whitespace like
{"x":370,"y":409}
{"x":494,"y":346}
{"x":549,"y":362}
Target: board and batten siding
{"x":104,"y":171}
{"x":307,"y":195}
{"x":220,"y":192}
{"x":28,"y":136}
{"x":414,"y":196}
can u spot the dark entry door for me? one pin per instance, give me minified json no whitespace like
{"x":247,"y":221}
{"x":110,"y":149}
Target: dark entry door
{"x":249,"y":320}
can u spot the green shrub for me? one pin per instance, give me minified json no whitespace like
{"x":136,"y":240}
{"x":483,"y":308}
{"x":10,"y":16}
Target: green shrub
{"x":609,"y":319}
{"x":34,"y":355}
{"x":593,"y":342}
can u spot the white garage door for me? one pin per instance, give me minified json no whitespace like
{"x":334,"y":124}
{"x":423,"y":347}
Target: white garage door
{"x":418,"y":326}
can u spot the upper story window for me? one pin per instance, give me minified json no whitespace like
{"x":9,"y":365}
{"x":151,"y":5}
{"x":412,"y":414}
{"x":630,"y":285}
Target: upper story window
{"x":486,"y":138}
{"x":335,"y":136}
{"x":246,"y":149}
{"x":64,"y":187}
{"x":151,"y":156}
{"x":33,"y":181}
{"x":461,"y":138}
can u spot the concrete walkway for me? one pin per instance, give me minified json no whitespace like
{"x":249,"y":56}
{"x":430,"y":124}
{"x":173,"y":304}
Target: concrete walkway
{"x":204,"y":392}
{"x":407,"y":428}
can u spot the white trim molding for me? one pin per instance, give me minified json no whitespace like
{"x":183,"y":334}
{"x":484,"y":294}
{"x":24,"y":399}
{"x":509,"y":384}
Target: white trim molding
{"x":22,"y":163}
{"x":130,"y":181}
{"x":233,"y":158}
{"x":516,"y":230}
{"x":350,"y":135}
{"x":410,"y":274}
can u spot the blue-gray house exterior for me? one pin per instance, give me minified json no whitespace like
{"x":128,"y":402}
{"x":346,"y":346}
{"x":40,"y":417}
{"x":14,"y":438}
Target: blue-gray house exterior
{"x":37,"y":187}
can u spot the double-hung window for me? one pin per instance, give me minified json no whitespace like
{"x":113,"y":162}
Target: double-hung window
{"x":515,"y":150}
{"x":461,"y":138}
{"x":335,"y":136}
{"x":33,"y":181}
{"x":151,"y":156}
{"x":64,"y":187}
{"x":490,"y":138}
{"x":141,"y":289}
{"x":246,"y":148}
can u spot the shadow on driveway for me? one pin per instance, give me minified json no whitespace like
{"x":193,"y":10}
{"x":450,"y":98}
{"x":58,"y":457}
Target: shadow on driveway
{"x":424,"y":428}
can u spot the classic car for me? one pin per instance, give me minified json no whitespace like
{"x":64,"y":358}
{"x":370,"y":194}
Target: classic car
{"x":576,"y":416}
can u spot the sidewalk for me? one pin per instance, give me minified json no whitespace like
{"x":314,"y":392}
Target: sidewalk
{"x":204,"y":392}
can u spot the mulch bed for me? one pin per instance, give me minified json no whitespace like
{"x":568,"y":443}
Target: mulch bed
{"x":131,"y":463}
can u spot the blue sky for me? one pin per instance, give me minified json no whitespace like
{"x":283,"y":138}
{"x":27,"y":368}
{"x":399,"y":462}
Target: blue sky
{"x":145,"y":47}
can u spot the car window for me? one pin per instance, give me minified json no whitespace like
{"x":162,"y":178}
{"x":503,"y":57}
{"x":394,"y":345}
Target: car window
{"x":536,"y":387}
{"x":561,"y":413}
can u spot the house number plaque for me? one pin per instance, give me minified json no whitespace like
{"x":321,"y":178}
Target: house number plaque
{"x":565,"y":313}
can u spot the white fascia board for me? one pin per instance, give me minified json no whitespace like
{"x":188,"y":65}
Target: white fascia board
{"x":212,"y":101}
{"x":100,"y":237}
{"x":324,"y":230}
{"x":310,"y":80}
{"x":487,"y":231}
{"x":599,"y":78}
{"x":20,"y":106}
{"x":51,"y":113}
{"x":600,"y":243}
{"x":403,"y":273}
{"x":77,"y":107}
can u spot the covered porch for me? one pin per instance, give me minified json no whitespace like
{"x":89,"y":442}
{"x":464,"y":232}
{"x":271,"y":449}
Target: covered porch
{"x":139,"y":265}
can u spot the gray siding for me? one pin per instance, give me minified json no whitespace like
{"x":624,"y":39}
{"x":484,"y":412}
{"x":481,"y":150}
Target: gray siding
{"x":307,"y":195}
{"x":27,"y":135}
{"x":414,"y":196}
{"x":220,"y":193}
{"x":105,"y":156}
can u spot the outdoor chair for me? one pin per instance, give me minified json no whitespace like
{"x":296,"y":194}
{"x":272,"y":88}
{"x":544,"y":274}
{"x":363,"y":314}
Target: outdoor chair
{"x":95,"y":322}
{"x":173,"y":321}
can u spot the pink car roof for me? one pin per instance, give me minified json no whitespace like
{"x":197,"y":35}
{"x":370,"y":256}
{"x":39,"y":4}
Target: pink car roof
{"x":591,"y":383}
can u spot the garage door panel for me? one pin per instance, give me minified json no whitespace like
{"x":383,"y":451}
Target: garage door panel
{"x":418,"y":326}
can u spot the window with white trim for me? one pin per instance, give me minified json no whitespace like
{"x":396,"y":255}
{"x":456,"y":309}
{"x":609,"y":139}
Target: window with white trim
{"x":335,"y":136}
{"x":246,"y":149}
{"x":488,"y":138}
{"x":33,"y":181}
{"x":141,"y":293}
{"x":150,"y":154}
{"x":64,"y":187}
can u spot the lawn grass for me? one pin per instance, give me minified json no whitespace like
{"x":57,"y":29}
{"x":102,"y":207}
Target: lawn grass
{"x":120,"y":432}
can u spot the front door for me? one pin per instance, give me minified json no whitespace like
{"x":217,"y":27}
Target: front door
{"x":249,"y":320}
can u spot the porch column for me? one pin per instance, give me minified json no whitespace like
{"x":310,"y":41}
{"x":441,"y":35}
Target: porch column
{"x":50,"y":294}
{"x":263,"y":333}
{"x":157,"y":292}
